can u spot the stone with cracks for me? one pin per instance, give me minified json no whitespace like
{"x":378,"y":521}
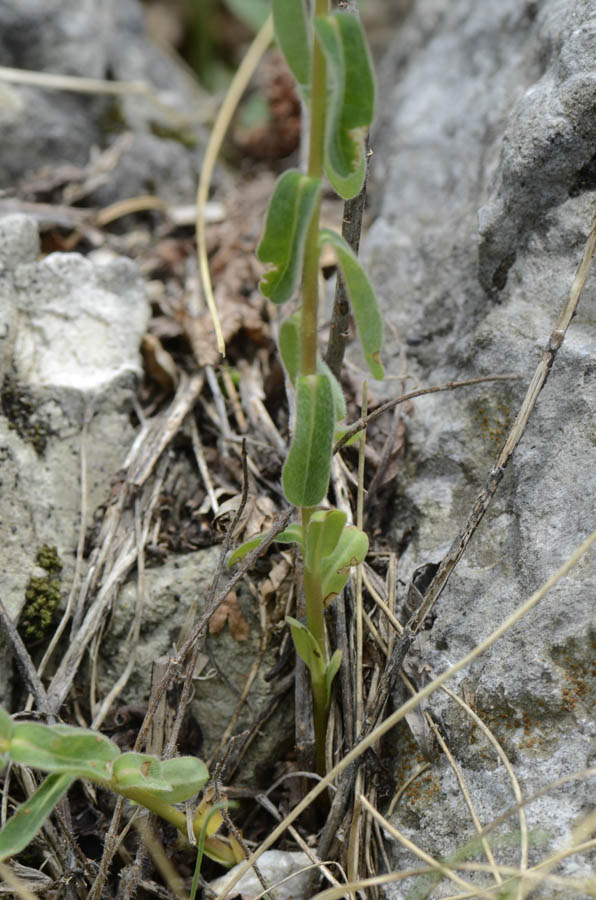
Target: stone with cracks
{"x":485,"y":155}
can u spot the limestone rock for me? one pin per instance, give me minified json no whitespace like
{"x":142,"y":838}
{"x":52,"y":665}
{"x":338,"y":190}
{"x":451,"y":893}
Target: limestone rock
{"x":69,"y":347}
{"x":172,"y":590}
{"x":485,"y":193}
{"x":42,"y":127}
{"x":274,"y":866}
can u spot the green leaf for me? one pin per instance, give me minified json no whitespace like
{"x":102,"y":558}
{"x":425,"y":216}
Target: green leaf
{"x":339,"y":401}
{"x":290,"y":535}
{"x":289,"y":348}
{"x":330,"y":673}
{"x":172,"y":780}
{"x":341,"y":432}
{"x":62,"y":748}
{"x":251,"y":12}
{"x":20,"y":830}
{"x":282,"y":245}
{"x":294,"y":36}
{"x":307,"y":648}
{"x":350,"y":551}
{"x":6,"y":731}
{"x":289,"y":345}
{"x":352,"y":100}
{"x":245,"y":548}
{"x":305,"y":474}
{"x":187,"y":776}
{"x":323,"y":533}
{"x":362,"y":299}
{"x":138,"y":770}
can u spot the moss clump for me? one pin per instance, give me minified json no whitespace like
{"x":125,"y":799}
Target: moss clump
{"x":183,"y":135}
{"x":19,"y":408}
{"x":42,"y":596}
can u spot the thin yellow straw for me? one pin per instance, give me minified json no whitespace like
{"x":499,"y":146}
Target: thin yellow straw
{"x":220,"y":126}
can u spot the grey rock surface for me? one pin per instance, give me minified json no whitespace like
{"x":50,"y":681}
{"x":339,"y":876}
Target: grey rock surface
{"x":225,"y":662}
{"x":484,"y":178}
{"x":42,"y":127}
{"x":69,"y":347}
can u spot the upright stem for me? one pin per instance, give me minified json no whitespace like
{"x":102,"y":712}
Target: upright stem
{"x":315,"y":617}
{"x":310,"y":274}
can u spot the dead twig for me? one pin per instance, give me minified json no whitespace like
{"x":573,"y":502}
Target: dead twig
{"x":25,"y":665}
{"x":411,"y":395}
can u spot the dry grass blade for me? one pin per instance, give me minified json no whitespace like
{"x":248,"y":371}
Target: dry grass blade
{"x":403,"y":787}
{"x":355,"y":837}
{"x":117,"y":551}
{"x":135,"y":628}
{"x":197,"y":447}
{"x":392,"y":720}
{"x":239,"y":83}
{"x":469,"y":802}
{"x":21,"y":891}
{"x":523,"y":824}
{"x":55,"y":82}
{"x":320,"y":866}
{"x":445,"y":870}
{"x":161,"y":859}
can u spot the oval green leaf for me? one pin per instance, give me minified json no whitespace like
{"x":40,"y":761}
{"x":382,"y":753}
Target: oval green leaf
{"x":187,"y":775}
{"x":330,"y":673}
{"x":351,"y":102}
{"x":20,"y":830}
{"x":324,"y":531}
{"x":171,"y":780}
{"x":339,"y":401}
{"x":289,"y":345}
{"x":307,"y":649}
{"x":245,"y":548}
{"x":289,"y":348}
{"x":294,"y":36}
{"x":350,"y":550}
{"x":362,"y":299}
{"x":290,"y":535}
{"x":62,"y":748}
{"x":6,"y":731}
{"x":252,"y":13}
{"x":305,"y":474}
{"x":282,"y":245}
{"x":138,"y":770}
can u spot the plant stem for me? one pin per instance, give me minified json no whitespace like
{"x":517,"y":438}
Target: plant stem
{"x":310,"y":274}
{"x":315,"y":618}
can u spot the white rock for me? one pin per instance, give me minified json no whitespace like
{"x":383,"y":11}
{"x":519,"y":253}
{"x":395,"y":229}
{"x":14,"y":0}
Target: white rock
{"x":274,"y":865}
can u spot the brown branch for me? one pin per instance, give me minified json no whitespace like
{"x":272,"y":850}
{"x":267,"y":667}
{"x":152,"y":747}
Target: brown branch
{"x":25,"y":665}
{"x":420,"y":392}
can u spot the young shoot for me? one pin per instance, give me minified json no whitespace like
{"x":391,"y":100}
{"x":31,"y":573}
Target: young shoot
{"x":67,"y":753}
{"x":328,"y":56}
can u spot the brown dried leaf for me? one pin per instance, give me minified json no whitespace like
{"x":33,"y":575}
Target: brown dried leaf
{"x":277,"y":576}
{"x":159,"y":365}
{"x":230,"y":611}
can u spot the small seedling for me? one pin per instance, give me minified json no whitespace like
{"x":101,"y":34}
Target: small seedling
{"x":328,"y":56}
{"x":68,"y":753}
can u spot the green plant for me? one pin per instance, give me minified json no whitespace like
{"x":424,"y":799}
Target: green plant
{"x":68,"y":753}
{"x":328,"y":56}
